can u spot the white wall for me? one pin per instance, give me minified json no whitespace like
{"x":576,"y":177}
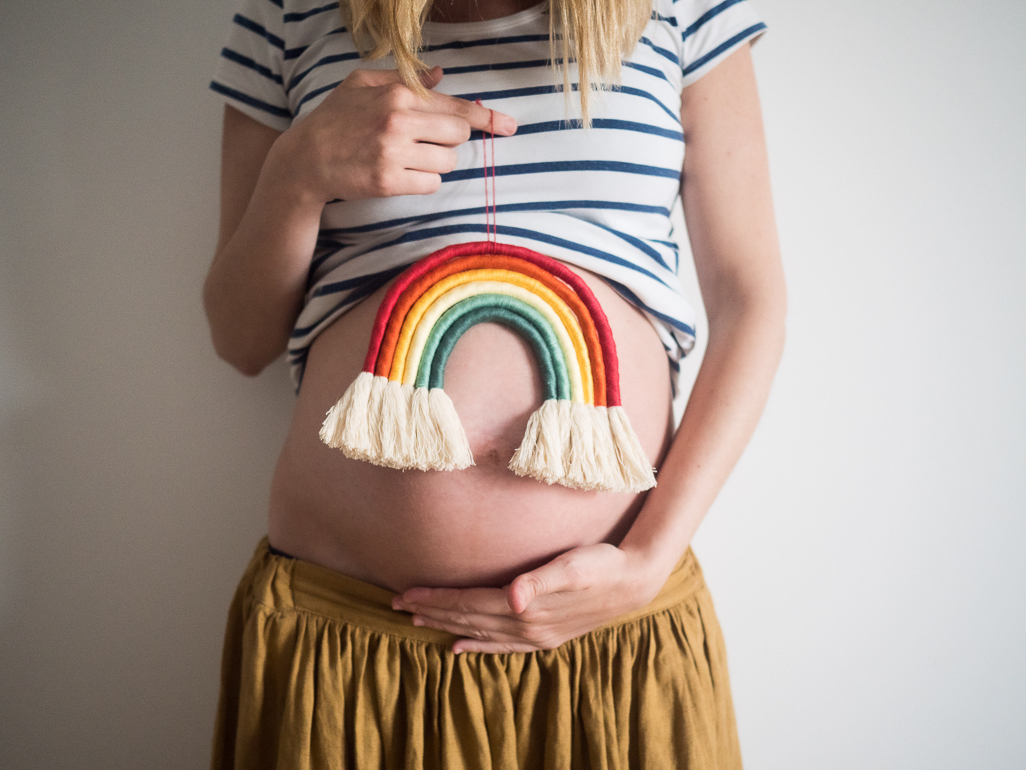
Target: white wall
{"x":865,"y":557}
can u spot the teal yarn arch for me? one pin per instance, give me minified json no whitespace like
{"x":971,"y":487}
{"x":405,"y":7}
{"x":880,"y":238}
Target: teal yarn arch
{"x":514,"y":314}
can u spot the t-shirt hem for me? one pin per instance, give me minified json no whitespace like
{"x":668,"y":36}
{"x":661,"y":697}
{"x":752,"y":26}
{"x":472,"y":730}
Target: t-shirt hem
{"x":272,"y":116}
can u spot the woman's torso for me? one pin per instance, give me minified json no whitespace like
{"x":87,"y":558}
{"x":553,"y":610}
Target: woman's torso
{"x":479,"y":526}
{"x":597,"y":200}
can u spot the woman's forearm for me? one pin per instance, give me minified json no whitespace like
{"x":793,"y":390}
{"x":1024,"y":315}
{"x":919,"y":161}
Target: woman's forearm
{"x":728,"y":208}
{"x":745,"y":345}
{"x":255,"y":286}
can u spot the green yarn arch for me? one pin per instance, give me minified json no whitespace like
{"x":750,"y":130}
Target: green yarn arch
{"x":512,"y":313}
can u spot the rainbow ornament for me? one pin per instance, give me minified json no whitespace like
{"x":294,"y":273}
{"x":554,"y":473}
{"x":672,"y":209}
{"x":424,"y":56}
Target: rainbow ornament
{"x":397,"y":415}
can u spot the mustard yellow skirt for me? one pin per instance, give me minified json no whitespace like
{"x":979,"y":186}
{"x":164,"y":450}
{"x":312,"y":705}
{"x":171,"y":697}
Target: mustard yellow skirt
{"x":320,"y":673}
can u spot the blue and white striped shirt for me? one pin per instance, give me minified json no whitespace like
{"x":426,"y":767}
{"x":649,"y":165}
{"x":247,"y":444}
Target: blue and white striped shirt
{"x":599,"y":199}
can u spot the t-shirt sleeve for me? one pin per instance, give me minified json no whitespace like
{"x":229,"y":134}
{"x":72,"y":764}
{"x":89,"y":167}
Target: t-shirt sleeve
{"x":710,"y":31}
{"x":249,"y":72}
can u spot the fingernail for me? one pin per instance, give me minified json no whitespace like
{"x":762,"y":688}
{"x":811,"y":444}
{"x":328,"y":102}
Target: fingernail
{"x":397,"y":603}
{"x":418,"y":622}
{"x":507,"y":125}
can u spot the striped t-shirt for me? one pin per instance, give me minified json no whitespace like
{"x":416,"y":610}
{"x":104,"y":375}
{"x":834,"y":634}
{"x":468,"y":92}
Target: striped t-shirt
{"x":599,"y":198}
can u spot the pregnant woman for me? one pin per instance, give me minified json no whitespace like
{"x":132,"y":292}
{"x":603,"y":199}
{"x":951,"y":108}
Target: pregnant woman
{"x":477,"y":617}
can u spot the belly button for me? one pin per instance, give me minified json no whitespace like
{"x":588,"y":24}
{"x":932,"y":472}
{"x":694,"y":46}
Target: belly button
{"x":494,"y":457}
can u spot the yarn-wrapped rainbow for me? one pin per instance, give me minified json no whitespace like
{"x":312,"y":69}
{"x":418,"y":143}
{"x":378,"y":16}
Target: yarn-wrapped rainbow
{"x":396,"y":414}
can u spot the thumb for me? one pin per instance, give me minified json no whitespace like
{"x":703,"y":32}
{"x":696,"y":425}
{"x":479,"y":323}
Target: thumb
{"x":551,"y":578}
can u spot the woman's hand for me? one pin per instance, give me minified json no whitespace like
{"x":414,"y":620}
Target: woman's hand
{"x":573,"y":594}
{"x":373,"y":137}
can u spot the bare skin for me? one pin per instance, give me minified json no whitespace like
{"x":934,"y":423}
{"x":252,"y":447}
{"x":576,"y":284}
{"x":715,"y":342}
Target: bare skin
{"x":482,"y":526}
{"x":515,"y":577}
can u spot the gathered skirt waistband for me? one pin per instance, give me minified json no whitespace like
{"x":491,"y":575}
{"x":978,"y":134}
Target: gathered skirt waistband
{"x":287,"y":583}
{"x":319,"y":672}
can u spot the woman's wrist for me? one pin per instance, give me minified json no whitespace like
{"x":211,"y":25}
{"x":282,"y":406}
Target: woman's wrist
{"x":290,"y":174}
{"x":650,"y":568}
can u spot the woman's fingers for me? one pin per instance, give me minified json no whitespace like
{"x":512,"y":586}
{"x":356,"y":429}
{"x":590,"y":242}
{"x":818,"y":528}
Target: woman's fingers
{"x":436,"y":128}
{"x":481,"y":118}
{"x":499,"y":629}
{"x":470,"y":601}
{"x":481,"y":614}
{"x":429,"y":158}
{"x":475,"y":626}
{"x":410,"y":182}
{"x":373,"y":137}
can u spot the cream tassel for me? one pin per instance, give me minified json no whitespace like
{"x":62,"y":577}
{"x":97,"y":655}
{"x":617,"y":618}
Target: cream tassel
{"x":635,"y":469}
{"x":455,"y":451}
{"x":393,"y":426}
{"x":562,"y":439}
{"x":541,"y":453}
{"x":607,"y":467}
{"x":426,"y":446}
{"x":377,"y":395}
{"x":346,"y":425}
{"x":525,"y":456}
{"x":581,"y":471}
{"x":335,"y":422}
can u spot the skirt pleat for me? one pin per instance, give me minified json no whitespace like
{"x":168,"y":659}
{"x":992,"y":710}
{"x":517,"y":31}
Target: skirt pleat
{"x":319,"y":673}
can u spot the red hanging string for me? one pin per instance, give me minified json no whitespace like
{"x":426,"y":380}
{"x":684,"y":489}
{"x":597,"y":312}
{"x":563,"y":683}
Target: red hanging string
{"x":488,"y":147}
{"x":491,"y":141}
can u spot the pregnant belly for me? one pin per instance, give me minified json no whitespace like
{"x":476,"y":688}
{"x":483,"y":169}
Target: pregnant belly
{"x":479,"y":526}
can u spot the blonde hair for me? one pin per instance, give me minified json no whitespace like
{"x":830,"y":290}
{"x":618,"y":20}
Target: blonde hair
{"x":596,"y":33}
